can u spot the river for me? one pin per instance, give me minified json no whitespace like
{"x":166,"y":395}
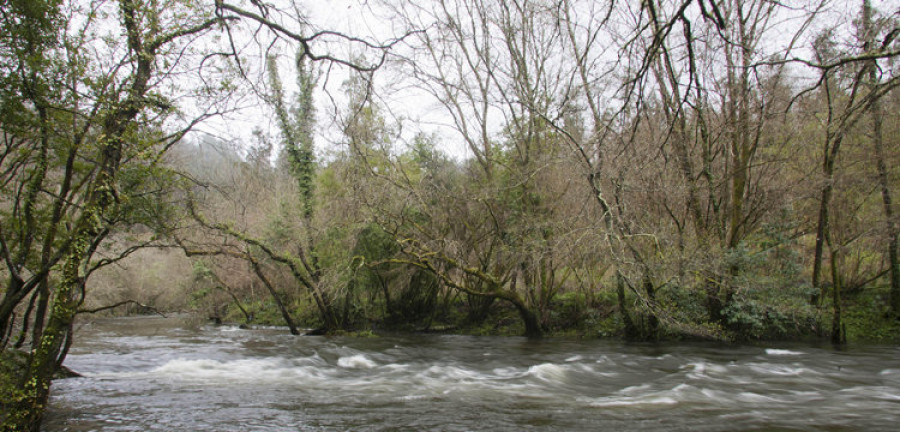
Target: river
{"x":158,"y":374}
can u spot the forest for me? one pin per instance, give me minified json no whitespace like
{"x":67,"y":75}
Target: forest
{"x":655,"y":170}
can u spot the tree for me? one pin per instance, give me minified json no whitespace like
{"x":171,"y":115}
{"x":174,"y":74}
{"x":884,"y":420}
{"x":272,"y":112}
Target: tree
{"x":87,"y":117}
{"x":74,"y":110}
{"x":848,"y":94}
{"x":493,"y":237}
{"x":868,"y":35}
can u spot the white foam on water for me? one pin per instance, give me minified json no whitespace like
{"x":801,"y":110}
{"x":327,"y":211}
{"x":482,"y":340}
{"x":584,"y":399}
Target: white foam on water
{"x":574,"y":358}
{"x":751,"y":397}
{"x":782,"y":352}
{"x":313,"y":360}
{"x":635,"y":389}
{"x":453,"y":373}
{"x":447,"y":379}
{"x":246,"y":369}
{"x":222,"y":371}
{"x":888,"y":396}
{"x":357,"y":361}
{"x":645,"y":394}
{"x":711,"y":394}
{"x":604,"y":359}
{"x":509,"y":372}
{"x":704,"y":370}
{"x":208,"y":371}
{"x":443,"y":380}
{"x":632,"y":401}
{"x":413,"y":397}
{"x":781,"y":370}
{"x":874,"y":392}
{"x":806,"y":396}
{"x":397,"y":367}
{"x":683,"y":388}
{"x":548,"y":372}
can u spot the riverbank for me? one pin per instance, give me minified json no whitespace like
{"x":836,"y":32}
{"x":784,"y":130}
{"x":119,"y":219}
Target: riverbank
{"x":866,"y":320}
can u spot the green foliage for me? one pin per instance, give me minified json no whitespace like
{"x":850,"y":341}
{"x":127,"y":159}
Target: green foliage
{"x":296,"y":122}
{"x":12,"y":367}
{"x":518,"y":212}
{"x":198,"y":296}
{"x":281,"y":227}
{"x":587,"y":316}
{"x":417,"y":299}
{"x":374,"y":244}
{"x":202,"y":285}
{"x":769,"y":297}
{"x":146,"y":198}
{"x":868,"y":317}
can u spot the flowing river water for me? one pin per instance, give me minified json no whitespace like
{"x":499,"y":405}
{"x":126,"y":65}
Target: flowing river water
{"x":157,"y":374}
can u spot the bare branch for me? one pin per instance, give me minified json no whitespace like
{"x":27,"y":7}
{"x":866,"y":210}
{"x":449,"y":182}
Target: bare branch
{"x":122,"y":303}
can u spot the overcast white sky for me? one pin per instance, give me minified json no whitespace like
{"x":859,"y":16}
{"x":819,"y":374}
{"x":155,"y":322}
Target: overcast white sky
{"x":421,"y":111}
{"x":358,"y":18}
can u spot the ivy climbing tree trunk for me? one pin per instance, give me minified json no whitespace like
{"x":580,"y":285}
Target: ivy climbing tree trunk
{"x":90,"y":230}
{"x":80,"y":212}
{"x":296,"y":122}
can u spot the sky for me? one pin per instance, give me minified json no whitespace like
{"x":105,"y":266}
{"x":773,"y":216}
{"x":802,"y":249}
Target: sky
{"x":415,"y":110}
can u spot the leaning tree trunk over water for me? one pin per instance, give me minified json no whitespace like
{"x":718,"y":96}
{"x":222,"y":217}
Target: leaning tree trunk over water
{"x":298,"y":266}
{"x":480,"y":283}
{"x":285,"y":314}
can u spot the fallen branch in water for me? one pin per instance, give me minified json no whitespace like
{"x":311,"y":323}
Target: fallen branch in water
{"x":122,"y":303}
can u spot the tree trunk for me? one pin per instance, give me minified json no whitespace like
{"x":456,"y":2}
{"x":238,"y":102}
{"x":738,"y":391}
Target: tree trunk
{"x":887,"y":200}
{"x":714,"y":306}
{"x":27,"y":411}
{"x":821,"y":235}
{"x":11,"y":299}
{"x":883,"y":179}
{"x":630,"y":329}
{"x":838,"y":335}
{"x":531,"y":320}
{"x":652,"y":319}
{"x":281,"y":308}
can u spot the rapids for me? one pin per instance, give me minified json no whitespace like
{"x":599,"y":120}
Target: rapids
{"x":156,"y":374}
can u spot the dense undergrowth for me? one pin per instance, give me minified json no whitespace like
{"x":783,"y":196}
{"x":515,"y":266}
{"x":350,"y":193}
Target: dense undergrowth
{"x":866,"y":319}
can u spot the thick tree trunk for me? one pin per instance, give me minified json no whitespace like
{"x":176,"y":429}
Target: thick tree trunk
{"x":46,"y":358}
{"x":630,"y":329}
{"x":531,"y":320}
